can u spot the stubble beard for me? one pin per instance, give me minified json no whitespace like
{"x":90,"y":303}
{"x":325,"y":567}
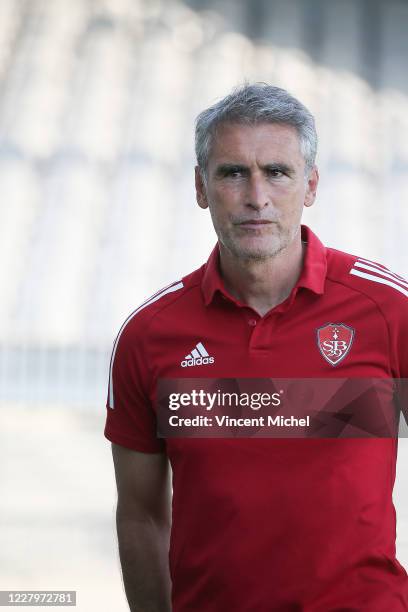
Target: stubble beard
{"x":277,"y":244}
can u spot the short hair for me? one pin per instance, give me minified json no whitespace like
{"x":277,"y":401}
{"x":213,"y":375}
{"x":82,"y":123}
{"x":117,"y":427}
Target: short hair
{"x":251,"y":105}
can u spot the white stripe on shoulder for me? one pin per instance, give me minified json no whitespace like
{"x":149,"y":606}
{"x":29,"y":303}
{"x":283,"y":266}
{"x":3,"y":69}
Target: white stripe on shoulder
{"x":158,"y":293}
{"x":382,"y":272}
{"x":156,"y":296}
{"x":379,"y":279}
{"x":379,"y":267}
{"x":373,"y":263}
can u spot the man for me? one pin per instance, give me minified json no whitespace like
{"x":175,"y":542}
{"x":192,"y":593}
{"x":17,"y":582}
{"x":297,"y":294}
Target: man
{"x":258,"y":524}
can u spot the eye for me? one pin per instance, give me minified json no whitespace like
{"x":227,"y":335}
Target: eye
{"x":233,"y":172}
{"x":275,"y":172}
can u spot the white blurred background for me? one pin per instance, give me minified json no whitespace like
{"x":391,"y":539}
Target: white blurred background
{"x":97,"y":104}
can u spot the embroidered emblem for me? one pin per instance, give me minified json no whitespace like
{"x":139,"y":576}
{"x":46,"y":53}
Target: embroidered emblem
{"x":334,"y":341}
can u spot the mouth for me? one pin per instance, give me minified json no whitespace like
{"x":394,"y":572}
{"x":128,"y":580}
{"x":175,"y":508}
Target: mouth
{"x":254,"y":224}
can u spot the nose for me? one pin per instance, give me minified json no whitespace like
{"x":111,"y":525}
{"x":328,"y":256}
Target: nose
{"x":257,"y":195}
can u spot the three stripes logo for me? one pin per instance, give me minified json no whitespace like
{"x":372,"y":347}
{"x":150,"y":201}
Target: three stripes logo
{"x":197,"y":357}
{"x":379,"y":274}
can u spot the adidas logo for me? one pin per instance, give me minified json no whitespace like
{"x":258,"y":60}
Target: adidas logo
{"x":197,"y":357}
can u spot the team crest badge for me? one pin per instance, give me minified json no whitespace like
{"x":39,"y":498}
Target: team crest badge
{"x":334,"y":341}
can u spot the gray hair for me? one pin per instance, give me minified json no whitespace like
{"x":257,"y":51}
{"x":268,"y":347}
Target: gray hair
{"x":253,"y":104}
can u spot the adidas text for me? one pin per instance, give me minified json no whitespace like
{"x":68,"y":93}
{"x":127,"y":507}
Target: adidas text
{"x":196,"y":362}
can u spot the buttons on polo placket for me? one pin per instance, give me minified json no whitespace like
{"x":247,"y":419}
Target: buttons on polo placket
{"x":255,"y":334}
{"x":260,"y":334}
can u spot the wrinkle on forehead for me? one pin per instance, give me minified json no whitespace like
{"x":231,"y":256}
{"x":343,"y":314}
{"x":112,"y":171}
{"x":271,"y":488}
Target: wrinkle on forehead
{"x":260,"y":144}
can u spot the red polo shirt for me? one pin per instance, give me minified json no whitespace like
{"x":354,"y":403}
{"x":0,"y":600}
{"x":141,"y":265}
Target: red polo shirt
{"x":272,"y":524}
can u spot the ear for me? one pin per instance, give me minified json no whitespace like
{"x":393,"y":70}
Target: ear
{"x":311,"y":188}
{"x":201,"y":195}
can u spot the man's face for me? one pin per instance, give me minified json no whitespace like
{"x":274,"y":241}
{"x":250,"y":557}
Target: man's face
{"x":256,"y":188}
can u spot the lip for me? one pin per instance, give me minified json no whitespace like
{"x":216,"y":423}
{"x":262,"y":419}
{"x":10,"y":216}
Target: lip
{"x":253,"y":224}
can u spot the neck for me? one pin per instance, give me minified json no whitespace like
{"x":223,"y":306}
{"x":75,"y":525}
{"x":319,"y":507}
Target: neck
{"x":262,"y":284}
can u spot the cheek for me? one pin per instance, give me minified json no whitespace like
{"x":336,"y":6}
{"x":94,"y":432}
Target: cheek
{"x":222,"y":202}
{"x":217,"y":215}
{"x":293,"y":199}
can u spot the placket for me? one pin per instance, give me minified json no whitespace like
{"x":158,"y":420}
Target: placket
{"x":260,"y":330}
{"x":263,"y":328}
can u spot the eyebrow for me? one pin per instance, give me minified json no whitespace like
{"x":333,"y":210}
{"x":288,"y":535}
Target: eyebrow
{"x":280,"y":167}
{"x":227,"y":167}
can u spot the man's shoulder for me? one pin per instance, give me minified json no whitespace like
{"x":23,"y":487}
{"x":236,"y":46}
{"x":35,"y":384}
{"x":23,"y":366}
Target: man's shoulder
{"x":369,"y":278}
{"x":179,"y":291}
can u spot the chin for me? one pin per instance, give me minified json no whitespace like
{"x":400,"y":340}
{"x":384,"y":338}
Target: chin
{"x":257,"y":252}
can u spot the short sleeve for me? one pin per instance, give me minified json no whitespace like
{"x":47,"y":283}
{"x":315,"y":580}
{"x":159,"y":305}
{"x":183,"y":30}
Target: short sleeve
{"x":400,"y":349}
{"x":130,"y":419}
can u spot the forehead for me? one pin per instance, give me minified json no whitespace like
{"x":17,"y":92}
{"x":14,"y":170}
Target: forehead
{"x":266,"y":142}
